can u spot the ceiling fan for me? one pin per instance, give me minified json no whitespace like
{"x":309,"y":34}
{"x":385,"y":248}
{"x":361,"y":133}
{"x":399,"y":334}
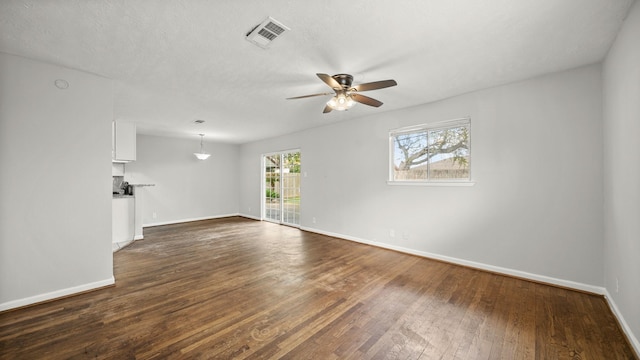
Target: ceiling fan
{"x":346,"y":95}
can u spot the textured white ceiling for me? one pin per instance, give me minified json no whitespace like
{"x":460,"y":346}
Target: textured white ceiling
{"x":175,"y":61}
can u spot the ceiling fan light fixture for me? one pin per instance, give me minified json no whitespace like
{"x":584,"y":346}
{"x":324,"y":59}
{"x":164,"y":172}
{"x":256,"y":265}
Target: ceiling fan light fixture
{"x":341,"y":102}
{"x":202,"y":155}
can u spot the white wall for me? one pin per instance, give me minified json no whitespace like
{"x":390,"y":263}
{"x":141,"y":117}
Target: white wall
{"x":621,"y":172}
{"x":55,"y":206}
{"x":185,"y":188}
{"x":536,"y":206}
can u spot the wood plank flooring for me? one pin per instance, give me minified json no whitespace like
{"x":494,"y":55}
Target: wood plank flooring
{"x":238,"y":288}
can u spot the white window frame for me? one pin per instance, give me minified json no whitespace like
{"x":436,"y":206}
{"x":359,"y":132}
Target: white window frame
{"x":426,"y":128}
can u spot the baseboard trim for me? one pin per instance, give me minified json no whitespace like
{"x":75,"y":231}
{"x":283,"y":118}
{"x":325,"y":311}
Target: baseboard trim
{"x":250,"y":217}
{"x":32,"y":300}
{"x":171,"y":222}
{"x":472,"y":264}
{"x":633,"y":341}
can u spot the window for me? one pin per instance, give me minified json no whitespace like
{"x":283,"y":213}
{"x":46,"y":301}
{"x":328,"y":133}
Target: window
{"x":431,"y":153}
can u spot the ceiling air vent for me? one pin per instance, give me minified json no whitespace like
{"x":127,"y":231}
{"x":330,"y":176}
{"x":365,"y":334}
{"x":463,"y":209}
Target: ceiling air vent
{"x":263,"y":34}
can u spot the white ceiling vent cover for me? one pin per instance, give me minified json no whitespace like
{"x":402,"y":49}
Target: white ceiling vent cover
{"x":263,"y":34}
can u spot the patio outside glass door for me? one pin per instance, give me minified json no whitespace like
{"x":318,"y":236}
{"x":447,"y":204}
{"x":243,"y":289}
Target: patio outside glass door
{"x":282,"y":188}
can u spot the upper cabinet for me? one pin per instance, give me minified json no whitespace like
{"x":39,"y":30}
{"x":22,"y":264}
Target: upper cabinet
{"x":124,"y":142}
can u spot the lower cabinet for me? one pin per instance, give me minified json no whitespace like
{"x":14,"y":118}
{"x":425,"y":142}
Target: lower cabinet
{"x":122,"y":220}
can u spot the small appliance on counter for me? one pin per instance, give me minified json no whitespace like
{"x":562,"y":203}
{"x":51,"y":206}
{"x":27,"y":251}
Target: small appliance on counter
{"x":128,"y":189}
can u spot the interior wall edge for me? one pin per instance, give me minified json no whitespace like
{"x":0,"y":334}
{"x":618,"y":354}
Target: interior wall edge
{"x":53,"y":295}
{"x":626,"y":329}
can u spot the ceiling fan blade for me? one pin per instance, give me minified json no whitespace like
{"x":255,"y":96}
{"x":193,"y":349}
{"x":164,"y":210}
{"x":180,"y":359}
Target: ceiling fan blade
{"x":306,"y":96}
{"x":329,"y":81}
{"x":327,"y":109}
{"x":375,"y":85}
{"x":366,"y":100}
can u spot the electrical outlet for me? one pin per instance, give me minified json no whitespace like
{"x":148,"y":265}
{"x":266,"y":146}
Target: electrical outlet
{"x":313,"y":220}
{"x":392,"y":233}
{"x":249,"y":208}
{"x":405,"y":235}
{"x":154,"y":215}
{"x":617,"y":285}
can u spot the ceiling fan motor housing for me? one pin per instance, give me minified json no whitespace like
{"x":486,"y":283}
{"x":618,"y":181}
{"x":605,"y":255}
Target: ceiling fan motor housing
{"x":344,"y":79}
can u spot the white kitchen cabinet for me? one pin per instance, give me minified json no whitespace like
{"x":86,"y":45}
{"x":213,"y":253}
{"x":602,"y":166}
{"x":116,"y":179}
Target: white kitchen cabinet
{"x":123,"y":223}
{"x":124,"y":142}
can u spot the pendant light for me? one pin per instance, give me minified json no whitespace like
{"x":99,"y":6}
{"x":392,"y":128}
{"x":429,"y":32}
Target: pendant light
{"x":202,"y":155}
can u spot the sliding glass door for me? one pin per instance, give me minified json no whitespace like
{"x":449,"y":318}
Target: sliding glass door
{"x":281,"y":181}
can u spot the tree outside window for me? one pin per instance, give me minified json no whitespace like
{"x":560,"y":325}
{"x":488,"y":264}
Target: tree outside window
{"x":431,"y":153}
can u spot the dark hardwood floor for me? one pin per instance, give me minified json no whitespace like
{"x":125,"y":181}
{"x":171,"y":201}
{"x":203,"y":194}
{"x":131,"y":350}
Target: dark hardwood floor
{"x":238,"y":288}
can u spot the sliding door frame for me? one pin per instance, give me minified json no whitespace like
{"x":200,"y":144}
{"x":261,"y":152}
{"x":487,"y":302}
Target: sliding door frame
{"x":281,"y":199}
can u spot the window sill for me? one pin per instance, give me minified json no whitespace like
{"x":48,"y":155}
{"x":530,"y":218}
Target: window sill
{"x":431,"y":183}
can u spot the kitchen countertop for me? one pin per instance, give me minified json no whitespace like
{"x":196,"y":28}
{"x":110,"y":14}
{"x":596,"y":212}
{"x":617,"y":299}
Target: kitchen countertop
{"x":119,"y":196}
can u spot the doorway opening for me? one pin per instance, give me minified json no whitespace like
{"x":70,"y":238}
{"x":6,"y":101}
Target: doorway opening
{"x":281,"y":184}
